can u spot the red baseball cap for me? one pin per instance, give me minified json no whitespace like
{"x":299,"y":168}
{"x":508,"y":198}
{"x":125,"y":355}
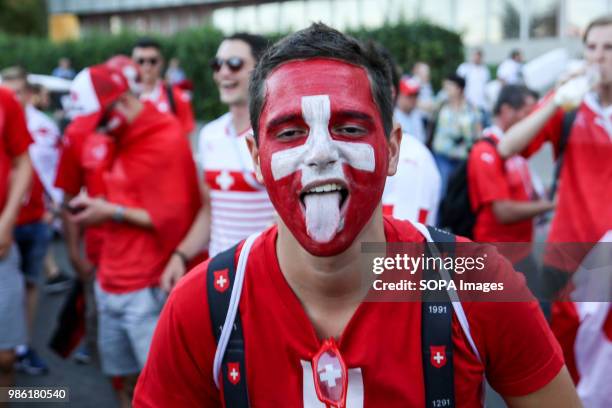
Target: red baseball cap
{"x":409,"y":86}
{"x":92,"y":93}
{"x":128,"y":68}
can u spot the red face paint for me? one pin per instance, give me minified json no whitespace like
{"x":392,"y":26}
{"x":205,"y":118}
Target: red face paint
{"x":323,"y":151}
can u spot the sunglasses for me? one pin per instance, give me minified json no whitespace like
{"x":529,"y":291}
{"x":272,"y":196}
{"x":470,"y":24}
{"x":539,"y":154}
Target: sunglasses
{"x":151,"y":61}
{"x":235,"y":64}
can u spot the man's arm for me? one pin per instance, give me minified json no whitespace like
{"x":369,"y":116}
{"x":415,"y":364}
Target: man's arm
{"x":178,"y":371}
{"x":91,"y":211}
{"x":196,"y":239}
{"x":568,"y":95}
{"x":521,"y":134}
{"x":73,"y":235}
{"x":560,"y":392}
{"x":511,"y":211}
{"x":21,"y":177}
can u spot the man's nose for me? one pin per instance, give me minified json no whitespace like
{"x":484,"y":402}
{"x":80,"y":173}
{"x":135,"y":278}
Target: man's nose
{"x":322,"y":151}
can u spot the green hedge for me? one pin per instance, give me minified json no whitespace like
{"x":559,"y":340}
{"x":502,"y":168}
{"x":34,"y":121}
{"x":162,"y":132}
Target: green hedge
{"x":441,"y":48}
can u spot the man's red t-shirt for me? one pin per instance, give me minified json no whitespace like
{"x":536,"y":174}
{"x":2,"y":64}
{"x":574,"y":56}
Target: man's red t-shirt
{"x":490,"y":179}
{"x":33,"y":208}
{"x":84,"y":158}
{"x":153,"y":169}
{"x":381,"y":344}
{"x":583,"y":213}
{"x":14,"y":138}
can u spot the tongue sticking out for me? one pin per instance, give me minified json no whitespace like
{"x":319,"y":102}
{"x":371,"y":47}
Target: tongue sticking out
{"x":322,"y":215}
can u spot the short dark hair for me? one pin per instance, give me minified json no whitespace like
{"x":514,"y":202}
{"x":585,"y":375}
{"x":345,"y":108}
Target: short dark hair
{"x":511,"y":95}
{"x":13,"y":73}
{"x":515,"y":53}
{"x":147,"y":42}
{"x":36,"y":88}
{"x":456,"y":79}
{"x":598,"y":22}
{"x":257,"y":43}
{"x":321,"y":41}
{"x":533,"y":93}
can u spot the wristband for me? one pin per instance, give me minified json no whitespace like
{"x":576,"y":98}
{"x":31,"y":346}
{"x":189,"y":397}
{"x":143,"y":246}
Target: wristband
{"x":119,"y":213}
{"x":183,"y":257}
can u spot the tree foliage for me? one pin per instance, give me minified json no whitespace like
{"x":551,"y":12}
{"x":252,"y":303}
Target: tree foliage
{"x":23,"y":17}
{"x":409,"y":43}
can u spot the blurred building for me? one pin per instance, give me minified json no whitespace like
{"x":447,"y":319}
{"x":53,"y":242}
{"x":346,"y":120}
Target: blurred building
{"x":497,"y":25}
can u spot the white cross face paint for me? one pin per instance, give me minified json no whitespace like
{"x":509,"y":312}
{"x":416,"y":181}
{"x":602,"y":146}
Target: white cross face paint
{"x":320,"y":161}
{"x":323,"y":153}
{"x":319,"y":144}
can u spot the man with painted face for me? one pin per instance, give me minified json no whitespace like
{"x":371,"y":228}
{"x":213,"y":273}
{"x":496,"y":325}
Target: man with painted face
{"x":324,"y":143}
{"x":151,"y":197}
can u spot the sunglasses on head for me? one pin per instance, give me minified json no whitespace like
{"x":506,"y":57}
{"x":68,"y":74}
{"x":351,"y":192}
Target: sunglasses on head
{"x":152,"y":61}
{"x":233,"y":63}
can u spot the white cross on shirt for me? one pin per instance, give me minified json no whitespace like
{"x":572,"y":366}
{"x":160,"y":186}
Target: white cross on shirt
{"x":438,"y":357}
{"x":225,"y":180}
{"x":330,"y":375}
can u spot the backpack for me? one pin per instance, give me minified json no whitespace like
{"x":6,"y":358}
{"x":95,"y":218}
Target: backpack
{"x":456,"y":213}
{"x":436,"y":326}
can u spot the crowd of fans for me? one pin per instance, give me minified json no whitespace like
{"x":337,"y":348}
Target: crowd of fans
{"x":136,"y":208}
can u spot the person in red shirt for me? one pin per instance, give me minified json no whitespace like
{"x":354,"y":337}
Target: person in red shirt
{"x":84,"y":157}
{"x":583,"y":213}
{"x":501,"y":191}
{"x":32,"y":231}
{"x":151,"y":199}
{"x":15,"y":167}
{"x":167,"y":98}
{"x":324,"y":143}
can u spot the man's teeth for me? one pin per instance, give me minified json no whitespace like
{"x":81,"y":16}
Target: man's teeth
{"x":325,"y":188}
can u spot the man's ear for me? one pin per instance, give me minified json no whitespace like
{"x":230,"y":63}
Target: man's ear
{"x":393,"y":146}
{"x":254,"y":150}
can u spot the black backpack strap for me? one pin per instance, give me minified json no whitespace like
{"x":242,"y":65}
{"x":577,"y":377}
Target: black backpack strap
{"x":568,"y":122}
{"x":220,"y":282}
{"x":436,"y":332}
{"x":170,"y":95}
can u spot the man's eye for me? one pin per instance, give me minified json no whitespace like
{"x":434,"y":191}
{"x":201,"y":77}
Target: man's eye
{"x":349,"y":130}
{"x":289,"y":134}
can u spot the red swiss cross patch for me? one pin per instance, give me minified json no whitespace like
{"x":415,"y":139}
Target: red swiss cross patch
{"x":437,"y":356}
{"x":233,"y":372}
{"x":221,"y":280}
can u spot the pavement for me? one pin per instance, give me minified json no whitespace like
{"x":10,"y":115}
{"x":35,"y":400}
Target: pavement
{"x":88,"y":388}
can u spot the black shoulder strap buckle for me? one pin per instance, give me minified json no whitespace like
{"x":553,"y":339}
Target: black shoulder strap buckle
{"x":220,"y":282}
